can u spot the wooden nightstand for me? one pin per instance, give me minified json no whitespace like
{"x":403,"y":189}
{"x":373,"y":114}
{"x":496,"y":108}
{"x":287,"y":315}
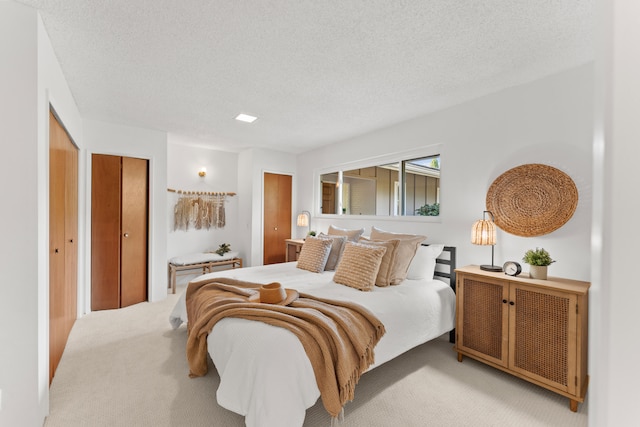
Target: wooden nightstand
{"x":533,"y":329}
{"x":293,"y":249}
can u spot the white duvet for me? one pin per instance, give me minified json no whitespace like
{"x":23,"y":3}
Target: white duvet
{"x":264,"y":371}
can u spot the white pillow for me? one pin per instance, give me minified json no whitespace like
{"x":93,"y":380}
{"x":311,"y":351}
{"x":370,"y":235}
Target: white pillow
{"x":424,"y":262}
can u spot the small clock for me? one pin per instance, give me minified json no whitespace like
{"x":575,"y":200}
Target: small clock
{"x":512,"y":268}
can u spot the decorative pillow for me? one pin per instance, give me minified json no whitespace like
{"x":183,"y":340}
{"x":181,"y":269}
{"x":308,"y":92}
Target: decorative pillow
{"x":314,"y":254}
{"x":406,"y":251}
{"x":352,"y":235}
{"x":388,"y":260}
{"x":359,"y":266}
{"x":424,"y":263}
{"x":337,"y":247}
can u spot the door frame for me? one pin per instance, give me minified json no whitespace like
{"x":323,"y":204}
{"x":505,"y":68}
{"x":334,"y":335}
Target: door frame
{"x":293,"y":206}
{"x":150,"y":215}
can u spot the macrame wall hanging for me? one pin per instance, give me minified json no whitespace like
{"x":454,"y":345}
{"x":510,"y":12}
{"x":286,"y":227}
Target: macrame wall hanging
{"x":199,"y":210}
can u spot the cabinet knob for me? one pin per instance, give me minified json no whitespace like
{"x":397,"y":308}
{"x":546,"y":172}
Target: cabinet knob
{"x":512,"y":303}
{"x":56,"y":250}
{"x":126,"y":234}
{"x":504,"y":301}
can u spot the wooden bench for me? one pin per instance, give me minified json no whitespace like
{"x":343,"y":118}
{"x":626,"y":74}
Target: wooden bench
{"x":205,"y":261}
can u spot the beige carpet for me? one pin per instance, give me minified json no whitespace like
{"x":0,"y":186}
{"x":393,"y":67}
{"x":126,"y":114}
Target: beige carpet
{"x":127,"y":367}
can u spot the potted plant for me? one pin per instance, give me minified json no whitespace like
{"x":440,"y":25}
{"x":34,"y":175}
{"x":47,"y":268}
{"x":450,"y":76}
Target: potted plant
{"x":429,"y":210}
{"x":223,"y":249}
{"x":538,"y":259}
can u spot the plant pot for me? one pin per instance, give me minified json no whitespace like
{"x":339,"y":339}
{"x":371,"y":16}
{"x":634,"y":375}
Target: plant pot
{"x":538,"y":272}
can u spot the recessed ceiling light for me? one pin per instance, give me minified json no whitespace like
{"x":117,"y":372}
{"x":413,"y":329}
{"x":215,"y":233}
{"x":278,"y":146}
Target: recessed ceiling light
{"x":246,"y":118}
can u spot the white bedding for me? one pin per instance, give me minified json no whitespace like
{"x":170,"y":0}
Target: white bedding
{"x":265,"y":374}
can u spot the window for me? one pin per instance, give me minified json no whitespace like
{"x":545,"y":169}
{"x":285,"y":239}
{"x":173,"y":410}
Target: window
{"x":376,"y":190}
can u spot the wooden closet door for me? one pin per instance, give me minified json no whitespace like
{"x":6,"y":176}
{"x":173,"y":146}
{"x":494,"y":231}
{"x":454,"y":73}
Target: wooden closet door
{"x":56,"y":246}
{"x":133,"y":243}
{"x":71,"y":236}
{"x":276,"y":217}
{"x":119,"y":217}
{"x":63,"y":233}
{"x":105,"y":232}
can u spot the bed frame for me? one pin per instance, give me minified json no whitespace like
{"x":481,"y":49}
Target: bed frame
{"x":446,"y":269}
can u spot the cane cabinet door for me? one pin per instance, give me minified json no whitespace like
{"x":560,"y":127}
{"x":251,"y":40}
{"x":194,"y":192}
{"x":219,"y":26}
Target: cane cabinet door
{"x":534,"y":329}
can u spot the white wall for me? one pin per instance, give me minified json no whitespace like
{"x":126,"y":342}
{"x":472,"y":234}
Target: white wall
{"x":615,"y":293}
{"x":548,"y":121}
{"x":184,"y":160}
{"x":241,"y":173}
{"x":54,"y":92}
{"x":20,"y":332}
{"x":107,"y":138}
{"x":252,"y":165}
{"x":27,"y":87}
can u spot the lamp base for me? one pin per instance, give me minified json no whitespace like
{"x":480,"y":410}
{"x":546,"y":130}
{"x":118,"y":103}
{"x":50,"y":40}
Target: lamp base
{"x":495,"y":268}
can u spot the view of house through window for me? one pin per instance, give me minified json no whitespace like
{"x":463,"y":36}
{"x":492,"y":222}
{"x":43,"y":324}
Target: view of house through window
{"x":375,"y":190}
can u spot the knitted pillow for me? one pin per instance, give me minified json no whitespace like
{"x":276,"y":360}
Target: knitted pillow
{"x":359,"y":266}
{"x":388,"y":260}
{"x":314,"y":254}
{"x":337,"y":246}
{"x":406,"y":251}
{"x":352,"y":234}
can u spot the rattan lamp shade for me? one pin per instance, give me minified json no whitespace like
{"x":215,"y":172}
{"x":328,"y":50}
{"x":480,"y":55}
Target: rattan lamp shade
{"x":532,"y":200}
{"x":483,"y":232}
{"x":303,"y":220}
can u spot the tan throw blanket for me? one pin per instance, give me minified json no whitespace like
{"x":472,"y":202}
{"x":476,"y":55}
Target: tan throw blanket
{"x":338,"y":337}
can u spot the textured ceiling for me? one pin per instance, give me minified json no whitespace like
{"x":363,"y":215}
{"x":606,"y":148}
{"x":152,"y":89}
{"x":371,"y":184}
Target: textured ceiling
{"x":314,"y":72}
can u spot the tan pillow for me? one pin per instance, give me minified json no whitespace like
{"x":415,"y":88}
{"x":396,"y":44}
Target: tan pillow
{"x":314,"y":254}
{"x":359,"y":266}
{"x":352,"y":234}
{"x":388,"y":260}
{"x":337,"y":247}
{"x":409,"y":244}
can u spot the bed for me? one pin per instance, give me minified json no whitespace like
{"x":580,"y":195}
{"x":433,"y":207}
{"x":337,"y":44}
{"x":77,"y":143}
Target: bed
{"x":265,"y":374}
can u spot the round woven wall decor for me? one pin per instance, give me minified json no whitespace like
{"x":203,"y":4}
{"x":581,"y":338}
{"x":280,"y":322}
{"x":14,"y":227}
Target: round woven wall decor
{"x":532,"y":200}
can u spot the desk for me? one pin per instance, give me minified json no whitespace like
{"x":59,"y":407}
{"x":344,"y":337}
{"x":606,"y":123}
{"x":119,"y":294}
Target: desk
{"x":293,"y":249}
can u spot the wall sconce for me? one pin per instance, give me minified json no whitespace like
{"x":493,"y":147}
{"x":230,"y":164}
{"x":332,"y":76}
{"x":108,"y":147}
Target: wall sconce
{"x":202,"y":173}
{"x":483,"y":232}
{"x":304,"y":220}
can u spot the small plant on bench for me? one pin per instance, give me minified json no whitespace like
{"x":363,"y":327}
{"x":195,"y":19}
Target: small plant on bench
{"x":223,"y":249}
